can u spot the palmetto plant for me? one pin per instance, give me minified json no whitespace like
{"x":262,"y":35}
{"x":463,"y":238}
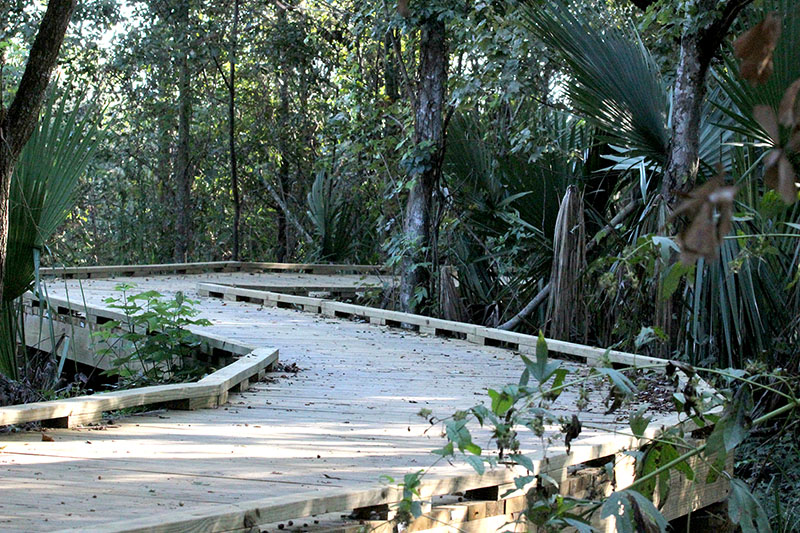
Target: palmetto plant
{"x":43,"y":190}
{"x":505,"y":207}
{"x":734,"y":308}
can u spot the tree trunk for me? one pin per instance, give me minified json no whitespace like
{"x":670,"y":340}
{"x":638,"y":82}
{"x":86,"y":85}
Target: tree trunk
{"x":237,"y":207}
{"x":429,"y":135}
{"x":391,"y":85}
{"x":283,"y":239}
{"x":698,"y":47}
{"x":183,"y":173}
{"x":18,"y":123}
{"x":699,"y":44}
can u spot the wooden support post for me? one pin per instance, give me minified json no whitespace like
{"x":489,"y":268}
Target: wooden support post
{"x":476,"y":338}
{"x":241,"y":386}
{"x":377,"y":321}
{"x":71,"y":421}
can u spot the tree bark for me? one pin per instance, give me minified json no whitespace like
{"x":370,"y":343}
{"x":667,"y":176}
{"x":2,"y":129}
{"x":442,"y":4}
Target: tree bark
{"x":429,"y":135}
{"x":698,"y":47}
{"x":18,"y":123}
{"x":182,"y":169}
{"x":237,"y":206}
{"x":699,"y":44}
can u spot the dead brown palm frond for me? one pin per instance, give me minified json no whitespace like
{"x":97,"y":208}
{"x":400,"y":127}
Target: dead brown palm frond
{"x":453,"y":307}
{"x":778,"y":171}
{"x":710,"y":209}
{"x":754,"y":49}
{"x":566,"y":312}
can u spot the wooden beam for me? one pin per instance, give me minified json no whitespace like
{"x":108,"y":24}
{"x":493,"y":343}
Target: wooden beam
{"x":205,"y":390}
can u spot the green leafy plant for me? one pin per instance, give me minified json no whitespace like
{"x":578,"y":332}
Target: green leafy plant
{"x":151,"y":345}
{"x":726,"y":414}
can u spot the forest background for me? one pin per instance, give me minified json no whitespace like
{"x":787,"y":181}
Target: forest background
{"x":517,"y":163}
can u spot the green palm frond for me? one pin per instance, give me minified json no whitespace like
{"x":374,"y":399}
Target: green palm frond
{"x":44,"y":183}
{"x":43,"y":188}
{"x":614,"y":82}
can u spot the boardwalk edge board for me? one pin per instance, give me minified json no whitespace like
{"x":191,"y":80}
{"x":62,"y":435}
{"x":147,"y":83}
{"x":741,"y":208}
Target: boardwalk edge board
{"x":198,"y":268}
{"x":480,"y":335}
{"x":246,"y":515}
{"x":210,"y":391}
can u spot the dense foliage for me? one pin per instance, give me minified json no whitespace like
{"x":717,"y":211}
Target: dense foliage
{"x":574,"y":183}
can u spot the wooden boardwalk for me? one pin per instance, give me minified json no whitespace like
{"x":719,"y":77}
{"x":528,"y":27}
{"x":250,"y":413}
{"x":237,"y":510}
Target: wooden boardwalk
{"x":349,"y":416}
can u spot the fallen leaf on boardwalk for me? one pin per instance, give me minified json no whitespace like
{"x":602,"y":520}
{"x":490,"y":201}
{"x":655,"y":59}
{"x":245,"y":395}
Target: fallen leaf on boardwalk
{"x":710,"y":208}
{"x":778,"y":171}
{"x":47,"y":438}
{"x":754,"y":48}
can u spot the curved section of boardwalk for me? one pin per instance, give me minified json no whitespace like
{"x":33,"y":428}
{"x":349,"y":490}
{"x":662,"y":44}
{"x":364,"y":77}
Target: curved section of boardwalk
{"x":347,"y":417}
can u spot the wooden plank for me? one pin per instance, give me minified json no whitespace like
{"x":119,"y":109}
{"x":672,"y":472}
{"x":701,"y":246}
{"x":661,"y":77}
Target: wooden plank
{"x":242,"y":369}
{"x":136,"y":270}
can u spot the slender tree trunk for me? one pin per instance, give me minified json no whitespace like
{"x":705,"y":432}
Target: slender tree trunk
{"x":237,"y":207}
{"x":699,"y":44}
{"x":391,"y":85}
{"x":182,"y":170}
{"x":429,"y":132}
{"x":17,"y":124}
{"x":283,"y":240}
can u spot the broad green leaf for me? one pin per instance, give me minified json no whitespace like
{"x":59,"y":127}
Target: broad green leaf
{"x":639,"y":422}
{"x":745,"y":510}
{"x":522,"y":460}
{"x":619,"y":380}
{"x":476,"y":463}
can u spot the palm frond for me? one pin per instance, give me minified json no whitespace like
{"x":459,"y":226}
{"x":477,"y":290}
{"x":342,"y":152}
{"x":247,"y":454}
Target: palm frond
{"x":613,"y":81}
{"x":44,"y":184}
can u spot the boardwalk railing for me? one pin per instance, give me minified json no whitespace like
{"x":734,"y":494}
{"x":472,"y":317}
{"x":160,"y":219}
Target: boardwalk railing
{"x":199,"y":268}
{"x":76,"y":320}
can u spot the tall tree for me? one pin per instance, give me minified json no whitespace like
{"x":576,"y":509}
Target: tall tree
{"x":419,"y":233}
{"x":182,"y":168}
{"x":237,"y":205}
{"x":18,"y":122}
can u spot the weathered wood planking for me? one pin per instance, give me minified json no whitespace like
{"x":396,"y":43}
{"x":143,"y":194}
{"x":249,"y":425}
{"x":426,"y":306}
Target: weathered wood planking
{"x":302,"y":444}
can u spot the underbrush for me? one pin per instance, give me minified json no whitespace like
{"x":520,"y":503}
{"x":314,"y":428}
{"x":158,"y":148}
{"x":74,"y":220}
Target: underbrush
{"x":769,"y":460}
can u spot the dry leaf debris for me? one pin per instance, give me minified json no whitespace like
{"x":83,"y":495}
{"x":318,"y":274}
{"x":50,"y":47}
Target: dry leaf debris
{"x":778,"y":171}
